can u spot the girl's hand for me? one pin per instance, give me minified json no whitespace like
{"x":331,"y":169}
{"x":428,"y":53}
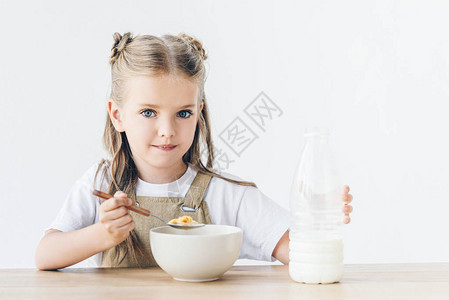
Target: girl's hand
{"x":115,"y":217}
{"x":347,"y":209}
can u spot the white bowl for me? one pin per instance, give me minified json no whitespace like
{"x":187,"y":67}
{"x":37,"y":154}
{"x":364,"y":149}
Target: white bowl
{"x":200,"y":254}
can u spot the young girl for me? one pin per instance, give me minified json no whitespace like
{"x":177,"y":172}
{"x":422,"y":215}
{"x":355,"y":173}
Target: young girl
{"x":157,"y":125}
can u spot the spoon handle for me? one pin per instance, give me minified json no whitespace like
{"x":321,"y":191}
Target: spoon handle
{"x":134,"y":208}
{"x":159,"y":219}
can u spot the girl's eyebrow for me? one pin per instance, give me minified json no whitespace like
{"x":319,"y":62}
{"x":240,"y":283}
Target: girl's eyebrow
{"x":157,"y":106}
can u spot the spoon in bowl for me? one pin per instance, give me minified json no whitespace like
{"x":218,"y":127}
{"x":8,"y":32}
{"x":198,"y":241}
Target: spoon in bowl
{"x":147,"y":213}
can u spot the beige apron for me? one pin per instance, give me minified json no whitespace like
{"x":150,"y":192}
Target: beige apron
{"x":166,"y":208}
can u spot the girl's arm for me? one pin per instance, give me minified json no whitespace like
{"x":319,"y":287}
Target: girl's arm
{"x":59,"y":249}
{"x":281,"y":251}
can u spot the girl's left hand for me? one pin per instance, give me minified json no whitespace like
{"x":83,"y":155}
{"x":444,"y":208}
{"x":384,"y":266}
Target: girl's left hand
{"x":347,"y":209}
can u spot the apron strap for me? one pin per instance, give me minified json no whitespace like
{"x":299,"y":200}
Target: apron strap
{"x":196,"y":191}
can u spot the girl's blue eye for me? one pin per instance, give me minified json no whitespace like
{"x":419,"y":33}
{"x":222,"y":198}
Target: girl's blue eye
{"x":183,"y":114}
{"x":145,"y":112}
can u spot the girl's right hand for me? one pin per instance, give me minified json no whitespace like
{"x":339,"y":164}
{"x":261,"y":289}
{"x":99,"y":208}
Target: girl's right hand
{"x":115,"y":217}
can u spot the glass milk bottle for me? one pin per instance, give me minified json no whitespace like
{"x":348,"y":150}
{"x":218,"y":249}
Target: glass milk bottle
{"x":316,"y":242}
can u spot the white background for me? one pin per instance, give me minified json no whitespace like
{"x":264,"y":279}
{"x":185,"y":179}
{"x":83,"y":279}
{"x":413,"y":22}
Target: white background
{"x":376,"y":72}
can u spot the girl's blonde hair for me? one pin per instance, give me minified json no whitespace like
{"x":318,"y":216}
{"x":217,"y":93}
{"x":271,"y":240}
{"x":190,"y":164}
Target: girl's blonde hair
{"x":147,"y":55}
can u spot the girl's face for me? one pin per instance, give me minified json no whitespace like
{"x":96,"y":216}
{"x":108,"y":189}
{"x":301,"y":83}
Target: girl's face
{"x":157,"y":111}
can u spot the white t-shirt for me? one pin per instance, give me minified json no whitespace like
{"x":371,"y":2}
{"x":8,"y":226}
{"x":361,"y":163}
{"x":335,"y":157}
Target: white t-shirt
{"x":263,"y":221}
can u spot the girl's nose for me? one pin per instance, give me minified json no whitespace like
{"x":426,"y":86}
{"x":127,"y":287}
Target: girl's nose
{"x":166,"y":128}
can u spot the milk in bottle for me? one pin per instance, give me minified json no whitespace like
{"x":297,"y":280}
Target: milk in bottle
{"x":316,"y":242}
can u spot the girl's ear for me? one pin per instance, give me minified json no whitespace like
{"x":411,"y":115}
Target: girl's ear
{"x":114,"y":114}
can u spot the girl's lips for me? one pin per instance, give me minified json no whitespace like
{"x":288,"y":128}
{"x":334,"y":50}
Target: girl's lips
{"x":164,"y":148}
